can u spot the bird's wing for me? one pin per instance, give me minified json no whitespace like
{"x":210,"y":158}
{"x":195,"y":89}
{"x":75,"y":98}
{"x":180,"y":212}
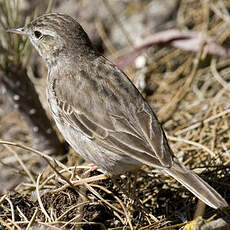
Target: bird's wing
{"x":105,"y":106}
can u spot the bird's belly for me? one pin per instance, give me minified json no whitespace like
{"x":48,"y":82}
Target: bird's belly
{"x":108,"y":161}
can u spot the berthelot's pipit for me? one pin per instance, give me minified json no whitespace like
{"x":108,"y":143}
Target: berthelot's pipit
{"x":99,"y":111}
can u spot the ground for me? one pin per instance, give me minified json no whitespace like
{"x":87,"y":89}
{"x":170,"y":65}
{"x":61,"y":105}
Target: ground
{"x":189,"y":91}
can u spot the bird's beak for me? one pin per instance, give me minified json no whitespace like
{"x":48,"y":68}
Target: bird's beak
{"x":20,"y":31}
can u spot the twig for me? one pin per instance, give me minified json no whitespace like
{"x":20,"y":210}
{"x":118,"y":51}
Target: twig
{"x":110,"y":9}
{"x":32,"y":219}
{"x":11,"y":208}
{"x":192,"y":143}
{"x":22,"y":164}
{"x":196,"y":125}
{"x":40,"y":201}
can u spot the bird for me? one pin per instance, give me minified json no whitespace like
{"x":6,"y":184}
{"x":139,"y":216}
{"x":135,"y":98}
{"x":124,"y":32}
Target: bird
{"x":99,"y":111}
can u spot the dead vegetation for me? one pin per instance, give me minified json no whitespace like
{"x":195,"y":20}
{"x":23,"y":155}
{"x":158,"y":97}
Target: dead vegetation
{"x":190,"y":93}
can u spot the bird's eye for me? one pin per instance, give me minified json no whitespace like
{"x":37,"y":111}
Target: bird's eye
{"x":37,"y":34}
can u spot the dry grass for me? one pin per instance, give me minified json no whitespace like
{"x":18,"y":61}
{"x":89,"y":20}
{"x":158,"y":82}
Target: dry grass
{"x":192,"y":101}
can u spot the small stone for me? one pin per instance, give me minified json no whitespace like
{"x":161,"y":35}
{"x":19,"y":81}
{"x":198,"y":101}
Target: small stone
{"x":140,"y":62}
{"x":32,"y":111}
{"x":49,"y":131}
{"x":16,"y":97}
{"x":16,"y":106}
{"x":35,"y":129}
{"x":140,"y":82}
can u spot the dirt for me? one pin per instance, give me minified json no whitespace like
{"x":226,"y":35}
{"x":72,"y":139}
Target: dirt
{"x":199,"y":120}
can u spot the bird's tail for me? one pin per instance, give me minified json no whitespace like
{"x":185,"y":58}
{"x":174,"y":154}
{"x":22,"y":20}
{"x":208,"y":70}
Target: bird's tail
{"x":196,"y":185}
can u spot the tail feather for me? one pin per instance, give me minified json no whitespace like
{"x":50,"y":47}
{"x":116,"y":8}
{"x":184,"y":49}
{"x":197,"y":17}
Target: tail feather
{"x":196,"y":185}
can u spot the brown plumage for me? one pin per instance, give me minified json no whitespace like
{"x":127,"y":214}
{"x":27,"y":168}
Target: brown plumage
{"x":99,"y":111}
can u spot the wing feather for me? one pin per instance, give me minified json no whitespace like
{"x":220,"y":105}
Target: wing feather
{"x":115,"y":115}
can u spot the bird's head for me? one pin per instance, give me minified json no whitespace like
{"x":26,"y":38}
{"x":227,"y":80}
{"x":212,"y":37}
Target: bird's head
{"x":54,"y":35}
